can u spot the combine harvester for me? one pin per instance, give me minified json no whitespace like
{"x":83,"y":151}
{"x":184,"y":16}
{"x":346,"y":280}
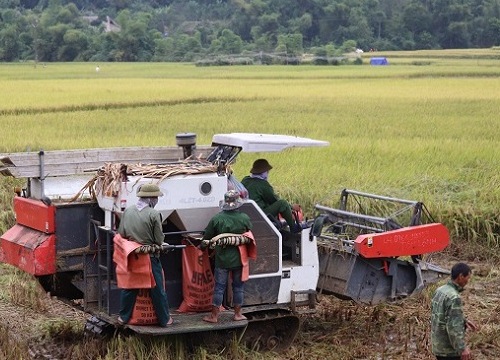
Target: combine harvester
{"x":67,"y":213}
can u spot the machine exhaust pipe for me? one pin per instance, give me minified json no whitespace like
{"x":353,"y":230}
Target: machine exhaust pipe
{"x":188,"y":143}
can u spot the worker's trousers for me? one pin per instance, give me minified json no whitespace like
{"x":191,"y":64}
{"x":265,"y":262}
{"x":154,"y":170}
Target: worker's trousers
{"x":158,"y":296}
{"x":221,"y":278}
{"x":281,"y":207}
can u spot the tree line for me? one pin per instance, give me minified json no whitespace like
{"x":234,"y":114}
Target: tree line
{"x":190,"y":30}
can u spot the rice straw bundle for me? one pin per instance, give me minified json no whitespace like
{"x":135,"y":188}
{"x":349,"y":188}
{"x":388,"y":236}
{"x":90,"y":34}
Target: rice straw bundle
{"x":109,"y":178}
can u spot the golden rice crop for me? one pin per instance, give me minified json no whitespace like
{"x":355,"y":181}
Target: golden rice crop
{"x":425,"y":133}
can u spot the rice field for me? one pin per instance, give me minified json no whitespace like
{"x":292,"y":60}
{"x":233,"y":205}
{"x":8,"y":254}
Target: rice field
{"x":425,"y":128}
{"x":428,"y":133}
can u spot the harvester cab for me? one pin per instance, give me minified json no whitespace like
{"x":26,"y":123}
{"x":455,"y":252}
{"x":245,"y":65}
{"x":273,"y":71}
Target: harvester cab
{"x":68,"y":213}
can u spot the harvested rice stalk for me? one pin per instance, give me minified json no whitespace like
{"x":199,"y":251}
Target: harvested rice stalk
{"x":109,"y":178}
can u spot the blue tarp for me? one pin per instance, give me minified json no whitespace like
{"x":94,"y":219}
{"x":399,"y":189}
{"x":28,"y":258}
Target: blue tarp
{"x":379,"y":61}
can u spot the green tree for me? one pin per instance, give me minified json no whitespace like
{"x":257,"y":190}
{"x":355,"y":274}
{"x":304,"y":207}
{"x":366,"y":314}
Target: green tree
{"x":9,"y":4}
{"x":9,"y":43}
{"x":359,"y":29}
{"x":348,"y":46}
{"x":8,"y":16}
{"x":177,"y":48}
{"x":227,"y":43}
{"x":333,"y":25}
{"x":55,"y":30}
{"x":425,"y":40}
{"x":264,"y":43}
{"x":416,"y":18}
{"x":133,"y":42}
{"x":457,"y":35}
{"x":51,"y":40}
{"x":484,"y":27}
{"x":290,"y":44}
{"x":269,"y":23}
{"x":68,"y":14}
{"x":379,"y":18}
{"x":75,"y":44}
{"x":301,"y":24}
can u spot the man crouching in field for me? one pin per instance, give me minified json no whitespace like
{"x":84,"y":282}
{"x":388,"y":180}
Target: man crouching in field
{"x":448,"y":324}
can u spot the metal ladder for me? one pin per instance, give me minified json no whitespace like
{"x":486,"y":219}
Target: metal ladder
{"x":104,"y":239}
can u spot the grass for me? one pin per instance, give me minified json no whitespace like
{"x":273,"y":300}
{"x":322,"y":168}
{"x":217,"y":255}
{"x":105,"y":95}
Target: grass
{"x":25,"y":292}
{"x":10,"y":348}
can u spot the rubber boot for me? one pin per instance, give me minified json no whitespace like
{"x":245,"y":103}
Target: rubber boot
{"x":214,"y":315}
{"x":238,"y":316}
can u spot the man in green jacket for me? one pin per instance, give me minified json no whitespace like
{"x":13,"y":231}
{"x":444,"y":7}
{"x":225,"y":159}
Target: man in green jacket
{"x":261,"y":191}
{"x":142,"y":223}
{"x":227,"y":257}
{"x":448,"y":324}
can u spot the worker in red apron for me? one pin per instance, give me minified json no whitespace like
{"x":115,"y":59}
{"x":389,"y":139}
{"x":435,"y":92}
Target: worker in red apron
{"x":143,"y":224}
{"x":228,"y":259}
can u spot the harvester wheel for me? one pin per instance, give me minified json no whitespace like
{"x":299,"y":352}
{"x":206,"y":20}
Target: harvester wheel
{"x":272,"y":342}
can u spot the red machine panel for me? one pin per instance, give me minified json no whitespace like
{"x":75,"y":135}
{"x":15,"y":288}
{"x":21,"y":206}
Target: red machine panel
{"x":30,"y":250}
{"x":35,"y":214}
{"x":413,"y":240}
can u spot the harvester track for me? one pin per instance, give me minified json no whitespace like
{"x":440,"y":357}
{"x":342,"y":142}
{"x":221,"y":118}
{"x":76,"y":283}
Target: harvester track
{"x":271,"y":330}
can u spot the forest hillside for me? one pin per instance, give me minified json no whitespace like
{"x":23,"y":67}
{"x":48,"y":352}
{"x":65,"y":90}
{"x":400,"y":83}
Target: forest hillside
{"x":190,"y":30}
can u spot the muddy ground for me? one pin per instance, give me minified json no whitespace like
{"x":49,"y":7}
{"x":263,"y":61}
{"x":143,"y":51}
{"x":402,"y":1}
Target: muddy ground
{"x":339,"y":330}
{"x":402,"y":330}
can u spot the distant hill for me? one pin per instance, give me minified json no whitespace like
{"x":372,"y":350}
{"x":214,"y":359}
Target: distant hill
{"x":181,"y":30}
